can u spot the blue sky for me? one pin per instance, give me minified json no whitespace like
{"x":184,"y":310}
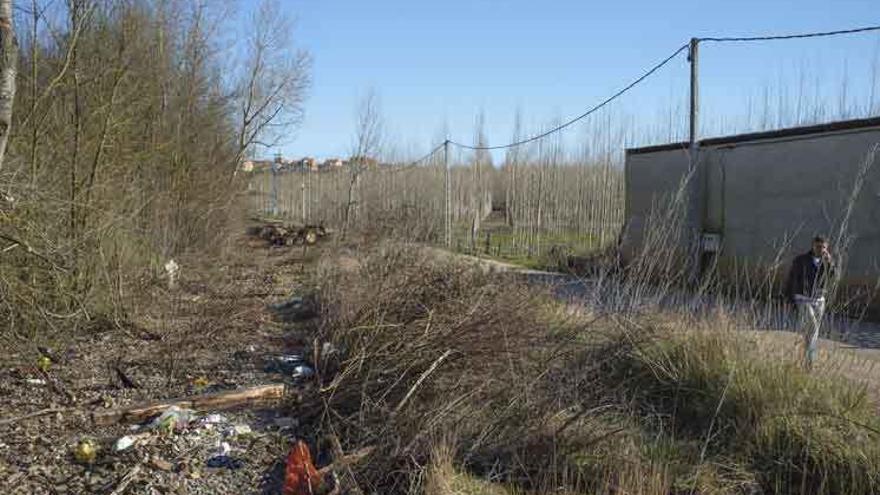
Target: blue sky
{"x":437,"y":64}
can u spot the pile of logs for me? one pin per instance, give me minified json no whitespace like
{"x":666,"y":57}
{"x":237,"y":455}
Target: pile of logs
{"x":290,"y":235}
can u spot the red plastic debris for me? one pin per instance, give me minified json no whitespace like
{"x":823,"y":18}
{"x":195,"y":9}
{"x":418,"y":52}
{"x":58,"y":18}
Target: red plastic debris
{"x":300,"y":476}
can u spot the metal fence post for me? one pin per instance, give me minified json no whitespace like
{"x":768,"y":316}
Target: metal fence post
{"x":447,"y":210}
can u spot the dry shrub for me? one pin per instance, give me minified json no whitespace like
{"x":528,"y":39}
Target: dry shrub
{"x":436,"y":346}
{"x":540,"y":399}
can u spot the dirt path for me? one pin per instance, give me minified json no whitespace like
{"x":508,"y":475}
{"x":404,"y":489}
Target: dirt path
{"x":844,"y":337}
{"x":213,"y":333}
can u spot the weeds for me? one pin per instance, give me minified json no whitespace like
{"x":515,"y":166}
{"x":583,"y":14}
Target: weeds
{"x":470,"y":382}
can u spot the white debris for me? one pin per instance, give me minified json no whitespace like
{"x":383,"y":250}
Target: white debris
{"x":241,"y":430}
{"x":223,"y":449}
{"x":123,"y":443}
{"x":213,"y":419}
{"x":172,"y":269}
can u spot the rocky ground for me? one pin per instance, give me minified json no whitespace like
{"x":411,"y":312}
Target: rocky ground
{"x":215,"y":331}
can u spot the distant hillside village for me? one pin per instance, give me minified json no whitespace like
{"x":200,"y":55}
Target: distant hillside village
{"x":307,"y":164}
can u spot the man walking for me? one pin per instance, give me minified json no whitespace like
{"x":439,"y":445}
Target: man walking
{"x":810,"y":277}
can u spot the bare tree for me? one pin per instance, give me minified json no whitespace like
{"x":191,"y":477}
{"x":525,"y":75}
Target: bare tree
{"x":274,"y":82}
{"x":8,"y":72}
{"x":365,"y":149}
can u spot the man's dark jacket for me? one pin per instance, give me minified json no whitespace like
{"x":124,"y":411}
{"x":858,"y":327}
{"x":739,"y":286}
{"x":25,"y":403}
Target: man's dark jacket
{"x":807,"y":278}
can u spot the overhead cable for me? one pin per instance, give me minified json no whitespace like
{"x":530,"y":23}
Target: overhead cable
{"x":793,"y":36}
{"x":581,"y":116}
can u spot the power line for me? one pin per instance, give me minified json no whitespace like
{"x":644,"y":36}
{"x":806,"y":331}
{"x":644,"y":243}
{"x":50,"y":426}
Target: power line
{"x":793,"y":36}
{"x":416,"y":163}
{"x":647,"y":74}
{"x":581,"y":116}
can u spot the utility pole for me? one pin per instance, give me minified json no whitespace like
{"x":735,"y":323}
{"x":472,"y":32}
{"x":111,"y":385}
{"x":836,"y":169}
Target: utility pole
{"x":274,"y":189}
{"x":303,"y":194}
{"x":694,"y":221}
{"x":447,"y":210}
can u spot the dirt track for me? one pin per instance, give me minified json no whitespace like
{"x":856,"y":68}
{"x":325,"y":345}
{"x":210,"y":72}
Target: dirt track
{"x":213,"y":333}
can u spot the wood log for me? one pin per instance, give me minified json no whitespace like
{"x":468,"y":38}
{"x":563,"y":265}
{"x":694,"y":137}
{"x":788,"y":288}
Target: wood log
{"x":37,"y":414}
{"x":207,"y":402}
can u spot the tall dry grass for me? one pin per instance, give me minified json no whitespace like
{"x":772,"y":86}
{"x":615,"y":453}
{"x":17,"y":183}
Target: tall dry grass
{"x":467,"y":381}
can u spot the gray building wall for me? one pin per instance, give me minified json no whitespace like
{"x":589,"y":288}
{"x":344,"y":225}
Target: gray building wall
{"x":768,"y":194}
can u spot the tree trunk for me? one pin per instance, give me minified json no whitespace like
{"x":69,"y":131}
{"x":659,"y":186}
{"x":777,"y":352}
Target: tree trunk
{"x":8,"y":70}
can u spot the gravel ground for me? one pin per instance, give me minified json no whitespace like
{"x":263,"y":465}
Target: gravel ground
{"x":213,"y":333}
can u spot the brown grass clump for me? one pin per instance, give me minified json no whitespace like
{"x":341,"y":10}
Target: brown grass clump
{"x":796,"y":432}
{"x":434,"y":346}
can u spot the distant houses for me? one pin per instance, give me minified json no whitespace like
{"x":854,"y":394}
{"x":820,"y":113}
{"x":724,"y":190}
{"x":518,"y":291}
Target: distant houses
{"x":309,"y":164}
{"x":253,"y":166}
{"x":332,"y":163}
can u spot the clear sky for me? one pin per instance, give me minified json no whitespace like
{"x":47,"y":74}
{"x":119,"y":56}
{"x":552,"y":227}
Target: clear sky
{"x":436,"y":64}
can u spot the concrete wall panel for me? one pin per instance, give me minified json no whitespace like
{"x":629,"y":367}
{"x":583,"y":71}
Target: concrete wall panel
{"x":770,"y":197}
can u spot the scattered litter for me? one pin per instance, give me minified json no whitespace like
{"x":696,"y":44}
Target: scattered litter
{"x":224,"y":461}
{"x":172,"y":419}
{"x":293,"y":365}
{"x":85,"y":451}
{"x":213,"y":419}
{"x":35,"y":381}
{"x":43,"y":363}
{"x":123,"y":443}
{"x":300,"y":475}
{"x":223,"y":449}
{"x":285,"y":363}
{"x":241,"y":430}
{"x":303,"y":371}
{"x":172,"y":269}
{"x":201,"y":382}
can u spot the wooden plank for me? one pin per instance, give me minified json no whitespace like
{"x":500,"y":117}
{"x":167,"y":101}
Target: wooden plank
{"x":208,"y":402}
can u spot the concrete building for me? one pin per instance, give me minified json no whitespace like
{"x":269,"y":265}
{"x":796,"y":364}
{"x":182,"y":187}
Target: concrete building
{"x":765,"y":195}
